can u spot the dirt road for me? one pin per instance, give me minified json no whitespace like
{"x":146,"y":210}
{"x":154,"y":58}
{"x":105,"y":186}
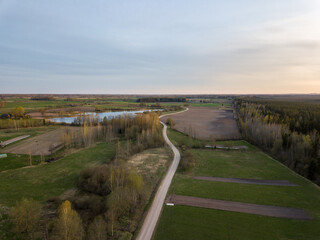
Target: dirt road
{"x":264,"y":210}
{"x":153,"y":215}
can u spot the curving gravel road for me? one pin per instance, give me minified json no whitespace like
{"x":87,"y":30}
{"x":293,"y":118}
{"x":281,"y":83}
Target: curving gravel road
{"x":153,"y":215}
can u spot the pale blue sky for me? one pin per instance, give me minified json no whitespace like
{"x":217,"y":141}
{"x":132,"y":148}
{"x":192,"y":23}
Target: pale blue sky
{"x":181,"y":46}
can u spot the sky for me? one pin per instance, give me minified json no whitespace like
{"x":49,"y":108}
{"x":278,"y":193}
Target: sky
{"x":160,"y":46}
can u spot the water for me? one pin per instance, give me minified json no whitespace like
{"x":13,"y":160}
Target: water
{"x":101,"y":115}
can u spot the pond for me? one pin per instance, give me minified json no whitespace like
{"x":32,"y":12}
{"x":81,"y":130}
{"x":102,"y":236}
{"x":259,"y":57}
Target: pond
{"x":101,"y":115}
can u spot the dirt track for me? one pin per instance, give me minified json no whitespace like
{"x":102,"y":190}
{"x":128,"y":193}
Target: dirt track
{"x":38,"y":145}
{"x":154,"y":212}
{"x":265,"y":210}
{"x":12,"y":140}
{"x":248,"y":181}
{"x":206,"y":123}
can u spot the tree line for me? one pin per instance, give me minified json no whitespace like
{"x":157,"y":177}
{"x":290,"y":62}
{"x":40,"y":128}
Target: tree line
{"x":141,"y":130}
{"x":162,"y":99}
{"x":18,"y":119}
{"x":287,"y":130}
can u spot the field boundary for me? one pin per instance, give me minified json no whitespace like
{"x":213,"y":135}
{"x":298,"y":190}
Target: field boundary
{"x":264,"y":210}
{"x":247,"y":181}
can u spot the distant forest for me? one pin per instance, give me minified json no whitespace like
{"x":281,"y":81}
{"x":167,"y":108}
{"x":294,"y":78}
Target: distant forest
{"x":162,"y":99}
{"x":288,"y":129}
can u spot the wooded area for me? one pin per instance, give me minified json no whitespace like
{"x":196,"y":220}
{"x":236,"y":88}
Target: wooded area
{"x":288,"y":130}
{"x":110,"y":198}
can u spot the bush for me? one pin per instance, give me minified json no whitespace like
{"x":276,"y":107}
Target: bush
{"x":187,"y":162}
{"x":97,"y":229}
{"x":170,"y":122}
{"x":89,"y":206}
{"x":95,"y":180}
{"x":25,"y":216}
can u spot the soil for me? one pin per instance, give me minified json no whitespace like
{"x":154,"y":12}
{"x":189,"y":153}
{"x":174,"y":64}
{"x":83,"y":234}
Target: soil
{"x":248,"y":181}
{"x":148,"y":162}
{"x":206,"y":123}
{"x":264,"y":210}
{"x":41,"y":144}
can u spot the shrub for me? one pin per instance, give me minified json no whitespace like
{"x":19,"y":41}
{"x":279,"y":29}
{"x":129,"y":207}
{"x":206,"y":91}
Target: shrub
{"x":25,"y":216}
{"x":95,"y":180}
{"x":187,"y":161}
{"x":170,"y":122}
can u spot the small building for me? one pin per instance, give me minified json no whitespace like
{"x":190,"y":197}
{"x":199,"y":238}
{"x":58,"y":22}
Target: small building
{"x":5,"y":116}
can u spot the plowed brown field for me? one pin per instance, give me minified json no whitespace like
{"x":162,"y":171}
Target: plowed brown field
{"x":206,"y":123}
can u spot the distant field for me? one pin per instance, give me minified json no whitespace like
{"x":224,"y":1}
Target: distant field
{"x":181,"y":222}
{"x":206,"y":123}
{"x":67,"y":104}
{"x":38,"y":145}
{"x":54,"y":107}
{"x":6,"y":134}
{"x":48,"y":180}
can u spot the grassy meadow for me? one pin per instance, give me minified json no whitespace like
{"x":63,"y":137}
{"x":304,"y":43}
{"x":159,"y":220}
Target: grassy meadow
{"x":52,"y":179}
{"x":181,"y":222}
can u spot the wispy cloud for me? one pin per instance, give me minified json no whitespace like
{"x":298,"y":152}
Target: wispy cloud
{"x":145,"y":46}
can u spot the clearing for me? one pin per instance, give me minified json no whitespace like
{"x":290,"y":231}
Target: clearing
{"x":151,"y":163}
{"x":206,"y":123}
{"x":51,"y":179}
{"x":45,"y":144}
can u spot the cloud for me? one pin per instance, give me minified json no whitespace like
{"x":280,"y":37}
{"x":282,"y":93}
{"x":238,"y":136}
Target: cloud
{"x":144,"y":47}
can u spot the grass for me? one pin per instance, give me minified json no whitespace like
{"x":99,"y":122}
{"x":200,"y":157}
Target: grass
{"x":49,"y":180}
{"x":151,"y":164}
{"x":181,"y":222}
{"x":189,"y":223}
{"x":103,"y":104}
{"x":14,"y":161}
{"x":209,"y":104}
{"x":36,"y":105}
{"x":192,"y":104}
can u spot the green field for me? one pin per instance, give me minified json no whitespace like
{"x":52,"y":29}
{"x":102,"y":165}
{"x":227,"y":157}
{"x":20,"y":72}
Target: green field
{"x":100,"y":104}
{"x":14,"y":161}
{"x":36,"y":105}
{"x":180,"y":222}
{"x":49,"y":180}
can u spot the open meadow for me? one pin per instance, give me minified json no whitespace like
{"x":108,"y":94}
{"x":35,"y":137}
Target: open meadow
{"x":187,"y":222}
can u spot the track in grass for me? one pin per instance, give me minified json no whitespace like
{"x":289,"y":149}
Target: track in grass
{"x":248,"y":181}
{"x":264,"y":210}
